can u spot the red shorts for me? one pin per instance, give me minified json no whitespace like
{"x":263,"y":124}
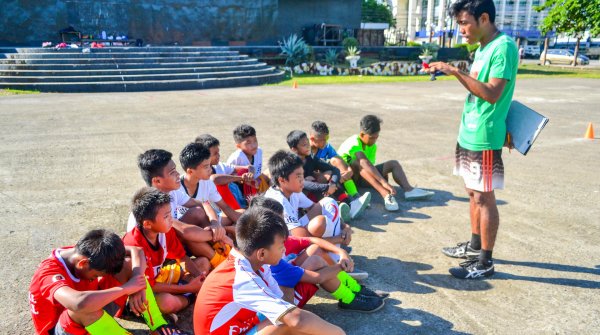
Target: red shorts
{"x":303,"y":292}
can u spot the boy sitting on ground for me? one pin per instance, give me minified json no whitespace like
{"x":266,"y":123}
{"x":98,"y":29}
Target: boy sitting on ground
{"x":320,"y":148}
{"x":195,"y":160}
{"x":159,"y":171}
{"x":175,"y":278}
{"x":249,"y":153}
{"x":75,"y":289}
{"x":359,"y":152}
{"x":241,"y":296}
{"x":299,"y":272}
{"x":322,"y":219}
{"x":225,"y":175}
{"x":322,"y":179}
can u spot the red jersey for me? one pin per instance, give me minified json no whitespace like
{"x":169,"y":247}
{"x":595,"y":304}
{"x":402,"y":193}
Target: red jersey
{"x":168,"y":247}
{"x":51,"y":275}
{"x":233,"y":295}
{"x":296,"y":245}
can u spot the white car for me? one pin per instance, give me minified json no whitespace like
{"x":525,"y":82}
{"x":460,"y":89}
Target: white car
{"x":532,"y":51}
{"x":563,"y":56}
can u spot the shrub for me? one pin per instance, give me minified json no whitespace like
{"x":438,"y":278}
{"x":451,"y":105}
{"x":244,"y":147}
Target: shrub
{"x":331,"y":57}
{"x":349,"y":42}
{"x":294,"y":49}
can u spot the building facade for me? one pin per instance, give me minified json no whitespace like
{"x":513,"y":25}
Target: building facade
{"x":168,"y":22}
{"x":425,"y":19}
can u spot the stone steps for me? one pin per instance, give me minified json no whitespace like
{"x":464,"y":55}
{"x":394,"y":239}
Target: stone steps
{"x":125,"y":66}
{"x":157,"y":60}
{"x":129,"y":69}
{"x":119,"y":55}
{"x":134,"y":78}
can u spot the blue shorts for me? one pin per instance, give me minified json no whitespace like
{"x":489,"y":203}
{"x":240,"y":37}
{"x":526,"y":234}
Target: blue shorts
{"x":287,"y":274}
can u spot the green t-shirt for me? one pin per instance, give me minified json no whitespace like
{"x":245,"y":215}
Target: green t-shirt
{"x":483,"y":125}
{"x":352,"y":145}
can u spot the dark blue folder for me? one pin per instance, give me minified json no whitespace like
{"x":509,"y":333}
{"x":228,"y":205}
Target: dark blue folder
{"x":524,"y":125}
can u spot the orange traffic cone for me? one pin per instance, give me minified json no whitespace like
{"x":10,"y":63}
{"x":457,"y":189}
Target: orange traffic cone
{"x":295,"y":85}
{"x":589,"y":133}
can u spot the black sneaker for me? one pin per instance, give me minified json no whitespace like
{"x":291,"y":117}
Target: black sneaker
{"x":462,"y":250}
{"x":169,"y":330}
{"x":370,"y":293}
{"x":363,"y":304}
{"x":473,"y":269}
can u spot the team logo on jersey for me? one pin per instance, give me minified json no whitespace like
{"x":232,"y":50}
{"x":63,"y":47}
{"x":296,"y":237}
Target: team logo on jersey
{"x":57,"y":278}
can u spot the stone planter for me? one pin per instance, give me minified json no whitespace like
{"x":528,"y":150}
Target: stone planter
{"x":426,"y":59}
{"x":353,"y":60}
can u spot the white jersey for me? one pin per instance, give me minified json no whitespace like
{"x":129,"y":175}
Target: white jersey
{"x":233,"y":294}
{"x":224,"y":168}
{"x":291,"y":206}
{"x":238,"y":157}
{"x":178,"y":199}
{"x":206,"y":191}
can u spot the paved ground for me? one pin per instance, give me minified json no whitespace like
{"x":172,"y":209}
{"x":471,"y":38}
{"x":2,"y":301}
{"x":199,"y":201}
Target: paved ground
{"x":67,"y":164}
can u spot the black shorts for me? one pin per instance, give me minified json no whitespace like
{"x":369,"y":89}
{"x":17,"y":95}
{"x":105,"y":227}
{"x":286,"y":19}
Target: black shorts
{"x":363,"y":183}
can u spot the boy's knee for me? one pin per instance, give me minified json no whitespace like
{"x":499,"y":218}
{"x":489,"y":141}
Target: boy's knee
{"x":169,"y":303}
{"x":314,"y":263}
{"x":203,"y":264}
{"x":200,"y":249}
{"x":85,"y":319}
{"x":392,"y":164}
{"x":195,"y":216}
{"x":317,"y":226}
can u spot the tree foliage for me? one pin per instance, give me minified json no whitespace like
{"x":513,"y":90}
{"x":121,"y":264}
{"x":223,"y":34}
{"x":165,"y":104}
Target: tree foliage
{"x":572,"y":17}
{"x":372,"y":11}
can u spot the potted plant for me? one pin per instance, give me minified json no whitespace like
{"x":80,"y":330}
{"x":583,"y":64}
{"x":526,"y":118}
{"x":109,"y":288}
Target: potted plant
{"x":426,"y":56}
{"x":352,"y":56}
{"x":295,"y":51}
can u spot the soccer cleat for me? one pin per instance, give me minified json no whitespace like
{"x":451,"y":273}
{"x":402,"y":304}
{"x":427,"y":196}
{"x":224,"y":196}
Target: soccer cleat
{"x":417,"y":194}
{"x":473,"y":269}
{"x":462,"y":250}
{"x":358,"y":274}
{"x":370,"y":293}
{"x":390,"y":203}
{"x":358,"y":205}
{"x":345,"y":212}
{"x":169,"y":330}
{"x":363,"y":304}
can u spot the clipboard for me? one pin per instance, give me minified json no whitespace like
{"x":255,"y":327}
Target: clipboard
{"x":523,"y":125}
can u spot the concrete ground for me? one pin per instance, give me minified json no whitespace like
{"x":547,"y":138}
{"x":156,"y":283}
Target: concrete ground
{"x":68,"y":164}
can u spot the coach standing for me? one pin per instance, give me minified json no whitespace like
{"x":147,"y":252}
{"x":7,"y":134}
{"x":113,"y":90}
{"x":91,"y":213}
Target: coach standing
{"x":482,"y":133}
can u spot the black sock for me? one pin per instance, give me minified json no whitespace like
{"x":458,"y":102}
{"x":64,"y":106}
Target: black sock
{"x":475,"y":241}
{"x":485,"y":256}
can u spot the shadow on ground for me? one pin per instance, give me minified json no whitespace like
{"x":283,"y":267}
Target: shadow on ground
{"x":377,"y":216}
{"x":392,"y":319}
{"x":581,"y":283}
{"x":403,"y":276}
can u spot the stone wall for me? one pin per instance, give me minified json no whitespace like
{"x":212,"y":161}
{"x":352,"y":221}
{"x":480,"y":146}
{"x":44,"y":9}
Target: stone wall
{"x":186,"y":22}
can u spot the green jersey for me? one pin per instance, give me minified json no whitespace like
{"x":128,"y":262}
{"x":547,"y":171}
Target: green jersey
{"x":352,"y":145}
{"x":483,"y":125}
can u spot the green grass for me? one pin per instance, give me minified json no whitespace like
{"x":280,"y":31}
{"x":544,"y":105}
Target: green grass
{"x":525,"y":71}
{"x":537,"y":71}
{"x":10,"y":91}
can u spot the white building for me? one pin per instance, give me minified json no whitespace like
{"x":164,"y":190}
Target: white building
{"x":425,"y":19}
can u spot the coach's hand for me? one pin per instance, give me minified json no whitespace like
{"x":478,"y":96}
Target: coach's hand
{"x":441,"y":66}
